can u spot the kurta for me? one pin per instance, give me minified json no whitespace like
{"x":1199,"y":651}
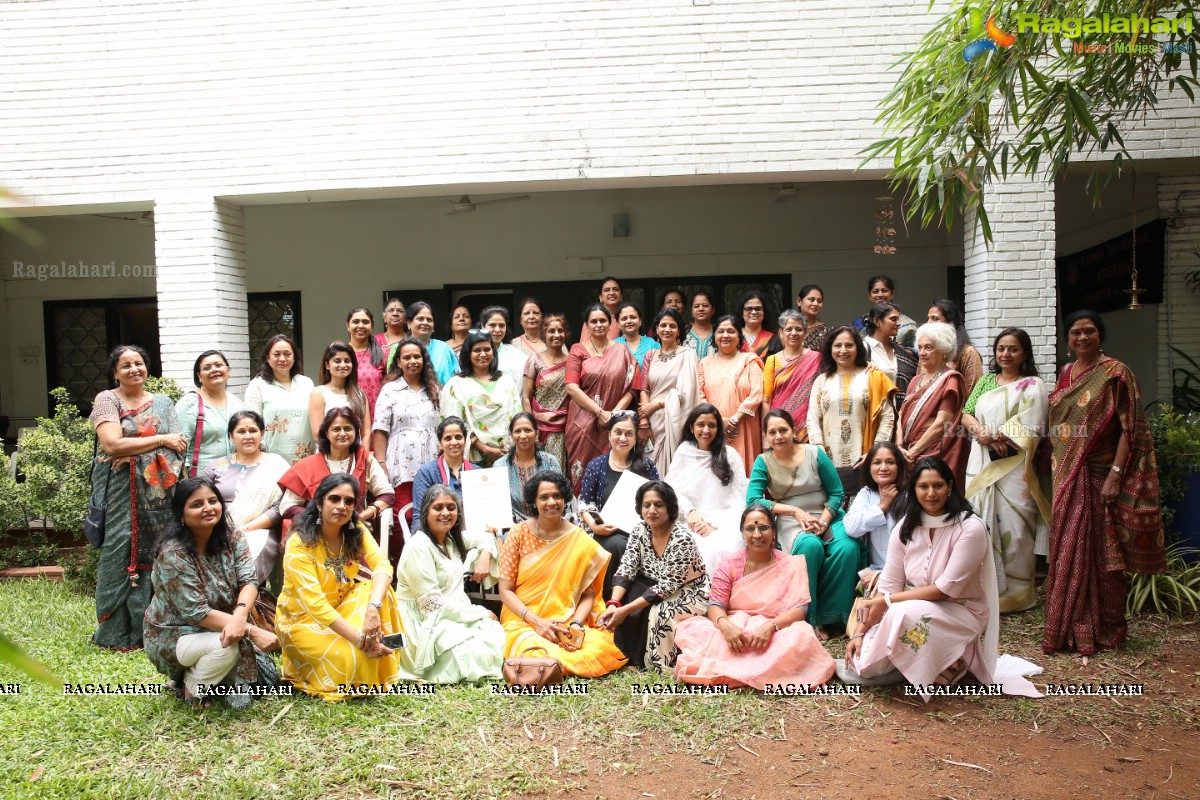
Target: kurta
{"x":214,"y":434}
{"x":287,"y":430}
{"x":449,"y":639}
{"x":701,"y":345}
{"x":849,"y":413}
{"x":512,"y":361}
{"x":671,"y":379}
{"x":675,"y":585}
{"x":794,"y":655}
{"x":832,"y":565}
{"x":1006,"y":492}
{"x":136,"y":491}
{"x":186,"y":589}
{"x":922,"y":638}
{"x":866,"y":519}
{"x":409,"y":419}
{"x":699,"y":489}
{"x":550,"y":578}
{"x":519,"y":476}
{"x":316,"y":660}
{"x":645,"y":346}
{"x":487,"y":407}
{"x":735,"y":385}
{"x":370,"y":377}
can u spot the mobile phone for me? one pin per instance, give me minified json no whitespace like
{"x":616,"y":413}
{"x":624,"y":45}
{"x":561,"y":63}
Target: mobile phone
{"x":393,"y":641}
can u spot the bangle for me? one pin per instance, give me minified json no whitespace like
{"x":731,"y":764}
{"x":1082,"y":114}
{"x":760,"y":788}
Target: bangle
{"x":1116,"y":469}
{"x":523,"y":613}
{"x":857,"y":636}
{"x":575,"y":622}
{"x":887,"y":599}
{"x":615,"y":603}
{"x":775,"y":625}
{"x":240,"y":605}
{"x":376,"y":605}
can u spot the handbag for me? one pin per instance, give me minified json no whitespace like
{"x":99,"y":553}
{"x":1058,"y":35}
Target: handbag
{"x":867,"y":585}
{"x":97,"y":510}
{"x":532,"y":671}
{"x":262,"y":615}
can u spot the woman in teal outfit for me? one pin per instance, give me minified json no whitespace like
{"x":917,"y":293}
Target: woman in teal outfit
{"x":800,"y":486}
{"x":211,"y":401}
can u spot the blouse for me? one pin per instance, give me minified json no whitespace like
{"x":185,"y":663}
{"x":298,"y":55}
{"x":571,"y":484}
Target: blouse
{"x":645,"y":345}
{"x":599,"y":479}
{"x":680,"y":562}
{"x":409,"y":419}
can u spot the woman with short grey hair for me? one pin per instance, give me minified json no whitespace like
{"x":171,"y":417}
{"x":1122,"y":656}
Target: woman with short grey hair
{"x":931,"y":416}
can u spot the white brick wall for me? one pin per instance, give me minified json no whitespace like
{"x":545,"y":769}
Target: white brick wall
{"x":200,"y":252}
{"x":1179,"y":315}
{"x":1013,"y":283}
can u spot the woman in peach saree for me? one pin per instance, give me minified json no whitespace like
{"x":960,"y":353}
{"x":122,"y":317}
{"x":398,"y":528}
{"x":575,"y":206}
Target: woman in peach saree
{"x":754,"y":633}
{"x":551,"y":578}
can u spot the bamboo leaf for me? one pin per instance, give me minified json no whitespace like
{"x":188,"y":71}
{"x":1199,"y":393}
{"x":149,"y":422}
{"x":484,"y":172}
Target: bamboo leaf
{"x":10,"y":653}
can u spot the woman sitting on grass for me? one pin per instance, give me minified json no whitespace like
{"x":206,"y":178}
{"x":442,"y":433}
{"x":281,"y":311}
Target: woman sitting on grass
{"x":196,"y":630}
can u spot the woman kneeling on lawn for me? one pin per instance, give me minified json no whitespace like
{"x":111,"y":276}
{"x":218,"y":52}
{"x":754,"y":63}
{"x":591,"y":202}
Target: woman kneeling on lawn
{"x":330,"y":625}
{"x":196,"y":630}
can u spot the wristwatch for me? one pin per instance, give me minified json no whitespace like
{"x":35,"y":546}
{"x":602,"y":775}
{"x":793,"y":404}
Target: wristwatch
{"x":1117,"y":469}
{"x":376,"y":605}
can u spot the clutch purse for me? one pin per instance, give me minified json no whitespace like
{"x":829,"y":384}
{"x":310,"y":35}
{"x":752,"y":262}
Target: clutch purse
{"x":532,"y":671}
{"x":867,"y":586}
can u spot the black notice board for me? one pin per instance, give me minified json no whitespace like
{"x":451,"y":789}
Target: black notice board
{"x":1097,"y":278}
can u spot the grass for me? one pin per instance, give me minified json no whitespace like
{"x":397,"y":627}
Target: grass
{"x":461,"y":742}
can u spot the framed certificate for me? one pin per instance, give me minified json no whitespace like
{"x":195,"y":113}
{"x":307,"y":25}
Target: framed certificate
{"x":620,"y":509}
{"x":486,"y":502}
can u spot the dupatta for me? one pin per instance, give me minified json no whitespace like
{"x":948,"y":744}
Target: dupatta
{"x":792,"y":385}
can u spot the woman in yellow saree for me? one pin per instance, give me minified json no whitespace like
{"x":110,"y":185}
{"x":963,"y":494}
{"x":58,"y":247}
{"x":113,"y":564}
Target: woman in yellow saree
{"x":551,"y":574}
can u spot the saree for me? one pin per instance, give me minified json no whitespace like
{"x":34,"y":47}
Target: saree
{"x":763,"y":344}
{"x":303,"y":477}
{"x":138,"y":502}
{"x":920,"y":409}
{"x":1093,"y":545}
{"x":736,"y":385}
{"x":788,"y":383}
{"x":673,"y":381}
{"x":548,"y":404}
{"x":1006,"y":492}
{"x":251,"y":492}
{"x":486,"y":408}
{"x":606,"y":379}
{"x":550,"y":578}
{"x":794,"y":656}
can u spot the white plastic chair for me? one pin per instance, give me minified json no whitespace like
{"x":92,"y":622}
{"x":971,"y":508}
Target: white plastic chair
{"x":385,"y":527}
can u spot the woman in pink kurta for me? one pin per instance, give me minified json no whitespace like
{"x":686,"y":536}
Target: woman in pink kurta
{"x":733,"y":382}
{"x":754,"y":633}
{"x":946,"y":624}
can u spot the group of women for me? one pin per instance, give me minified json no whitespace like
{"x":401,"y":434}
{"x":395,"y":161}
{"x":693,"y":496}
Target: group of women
{"x":777,"y":469}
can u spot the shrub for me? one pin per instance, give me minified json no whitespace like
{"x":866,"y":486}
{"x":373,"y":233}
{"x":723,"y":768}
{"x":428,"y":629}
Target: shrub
{"x":56,"y":459}
{"x":1174,"y":593}
{"x":79,"y":569}
{"x":167,"y":386}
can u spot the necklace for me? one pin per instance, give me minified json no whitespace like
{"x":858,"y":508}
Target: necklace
{"x":536,"y":530}
{"x":597,"y":352}
{"x":336,"y":563}
{"x":665,"y":356}
{"x":929,"y":378}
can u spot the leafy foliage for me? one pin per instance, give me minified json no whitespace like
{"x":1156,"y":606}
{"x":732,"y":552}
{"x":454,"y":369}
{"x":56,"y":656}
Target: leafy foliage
{"x":167,"y":386}
{"x":1177,"y":448}
{"x":956,"y":126}
{"x":1185,"y":383}
{"x":1174,"y":593}
{"x":56,"y":459}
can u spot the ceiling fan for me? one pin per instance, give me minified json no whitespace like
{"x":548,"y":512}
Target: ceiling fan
{"x":465,"y":204}
{"x":785,"y":192}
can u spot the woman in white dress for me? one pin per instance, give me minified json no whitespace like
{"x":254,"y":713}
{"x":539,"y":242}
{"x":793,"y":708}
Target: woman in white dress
{"x":707,"y":476}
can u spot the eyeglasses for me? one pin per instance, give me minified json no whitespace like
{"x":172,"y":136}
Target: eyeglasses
{"x":757,"y":529}
{"x":753,"y":309}
{"x":338,"y":500}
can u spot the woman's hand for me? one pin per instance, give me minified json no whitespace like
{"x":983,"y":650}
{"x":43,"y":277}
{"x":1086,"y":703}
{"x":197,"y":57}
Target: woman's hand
{"x":547,"y":629}
{"x":731,"y":425}
{"x":984,"y":437}
{"x":483,"y":567}
{"x":234,"y":630}
{"x":612,"y":617}
{"x":852,"y":647}
{"x":373,"y":648}
{"x":1111,"y":489}
{"x":807,"y":521}
{"x":488,"y":451}
{"x":761,"y":638}
{"x":910,"y":457}
{"x":603,"y":417}
{"x":887,"y":496}
{"x":1003,"y":446}
{"x":173,"y":441}
{"x":604,"y":529}
{"x":371,"y":626}
{"x":736,"y":640}
{"x":699,"y":524}
{"x":263,"y":640}
{"x":871,"y":612}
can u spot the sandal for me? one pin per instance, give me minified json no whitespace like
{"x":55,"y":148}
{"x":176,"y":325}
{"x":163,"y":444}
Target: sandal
{"x":952,"y":674}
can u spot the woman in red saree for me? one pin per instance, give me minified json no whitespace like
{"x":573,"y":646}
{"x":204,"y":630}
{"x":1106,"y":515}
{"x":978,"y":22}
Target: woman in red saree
{"x":601,"y":378}
{"x":789,"y":375}
{"x":1105,"y":516}
{"x":931,"y":417}
{"x":754,"y":633}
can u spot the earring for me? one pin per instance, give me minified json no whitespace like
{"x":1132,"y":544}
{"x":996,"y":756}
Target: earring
{"x":318,"y":517}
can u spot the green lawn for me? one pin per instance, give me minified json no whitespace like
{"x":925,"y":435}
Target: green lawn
{"x":462,"y":742}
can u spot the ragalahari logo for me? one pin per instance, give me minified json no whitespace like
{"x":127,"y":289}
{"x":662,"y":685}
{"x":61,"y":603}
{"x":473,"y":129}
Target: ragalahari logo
{"x":976,"y":27}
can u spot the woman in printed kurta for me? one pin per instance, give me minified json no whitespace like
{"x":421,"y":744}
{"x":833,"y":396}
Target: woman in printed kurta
{"x":329,"y":624}
{"x":798,"y":484}
{"x":551,"y":578}
{"x":545,"y":389}
{"x":370,"y":356}
{"x":851,"y":408}
{"x":672,"y":388}
{"x":700,"y":333}
{"x":629,"y":321}
{"x":601,"y":378}
{"x":207,"y":440}
{"x":661,"y":580}
{"x":937,"y":594}
{"x":755,"y":631}
{"x":1006,"y":416}
{"x":449,"y":640}
{"x":204,"y":585}
{"x":279,"y":393}
{"x":133,"y":477}
{"x":485,"y":398}
{"x":1106,"y":519}
{"x":733,"y":382}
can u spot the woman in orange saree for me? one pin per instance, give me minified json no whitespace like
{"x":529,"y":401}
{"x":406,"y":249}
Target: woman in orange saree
{"x":551,"y":574}
{"x":1105,"y":515}
{"x":754,"y":633}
